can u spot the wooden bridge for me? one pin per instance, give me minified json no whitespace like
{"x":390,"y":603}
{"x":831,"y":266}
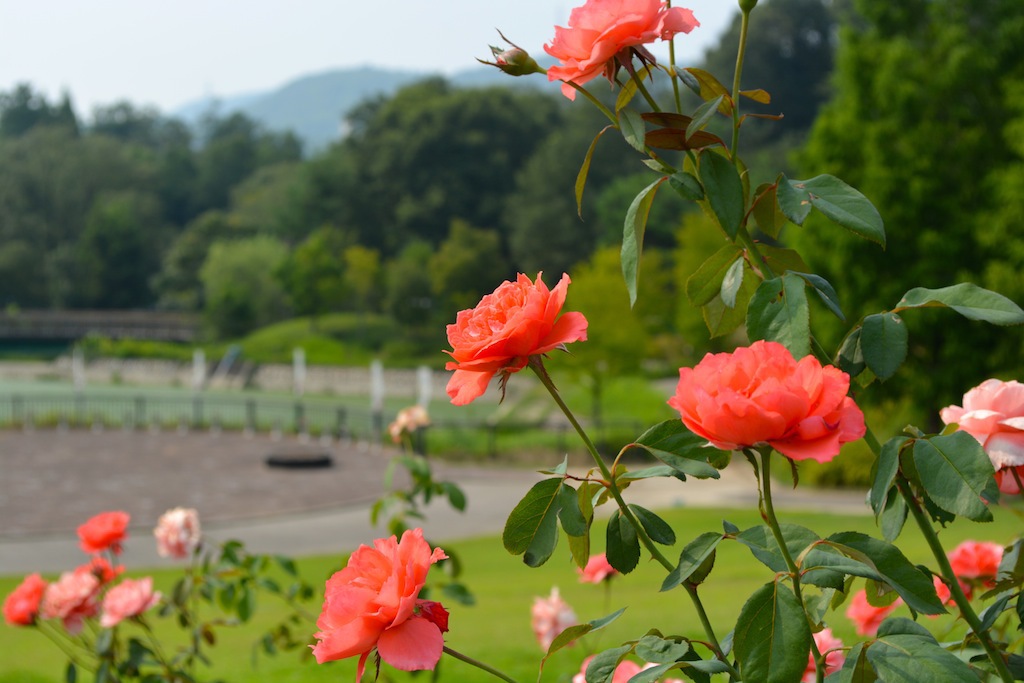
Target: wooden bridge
{"x":70,"y":325}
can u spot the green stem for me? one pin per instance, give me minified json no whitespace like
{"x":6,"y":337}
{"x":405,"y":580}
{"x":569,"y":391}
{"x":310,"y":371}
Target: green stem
{"x":949,"y":575}
{"x":642,"y":89}
{"x":596,"y":102}
{"x":478,"y":664}
{"x":773,"y":524}
{"x":536,"y":364}
{"x":59,"y":639}
{"x":740,"y":52}
{"x":672,"y":64}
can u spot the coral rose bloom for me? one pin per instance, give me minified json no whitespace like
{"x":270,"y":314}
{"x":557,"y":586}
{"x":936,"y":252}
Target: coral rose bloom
{"x":600,"y":29}
{"x":130,"y":598}
{"x":105,"y":531}
{"x":993,"y":413}
{"x":518,"y":320}
{"x":72,"y":598}
{"x":976,"y":560}
{"x":597,"y":570}
{"x":21,"y":607}
{"x":372,"y":603}
{"x":177,"y":532}
{"x":761,"y":395}
{"x":866,"y":617}
{"x":833,"y":660}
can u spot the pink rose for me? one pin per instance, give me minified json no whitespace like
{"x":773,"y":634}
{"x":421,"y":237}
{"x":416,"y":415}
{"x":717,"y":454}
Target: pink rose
{"x":1007,"y":479}
{"x":978,"y":560}
{"x":865,"y":616}
{"x":518,"y":320}
{"x":831,"y":647}
{"x":105,"y":531}
{"x":597,"y":570}
{"x":177,"y":532}
{"x":373,"y":603}
{"x":549,"y":617}
{"x":72,"y":598}
{"x":21,"y":607}
{"x":993,"y":413}
{"x":407,"y":421}
{"x":761,"y":395}
{"x":130,"y":598}
{"x":602,"y":29}
{"x":623,"y":672}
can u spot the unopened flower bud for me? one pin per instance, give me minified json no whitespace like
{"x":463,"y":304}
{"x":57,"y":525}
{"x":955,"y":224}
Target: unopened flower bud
{"x":747,"y":5}
{"x":514,"y":61}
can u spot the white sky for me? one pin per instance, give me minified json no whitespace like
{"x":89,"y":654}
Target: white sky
{"x":167,"y":53}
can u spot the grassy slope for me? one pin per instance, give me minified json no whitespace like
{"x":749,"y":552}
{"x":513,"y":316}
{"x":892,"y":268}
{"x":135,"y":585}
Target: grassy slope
{"x":497,"y":629}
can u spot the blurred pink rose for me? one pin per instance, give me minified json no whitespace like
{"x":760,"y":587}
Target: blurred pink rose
{"x":72,"y":598}
{"x":602,"y":29}
{"x":407,"y":421}
{"x":865,"y":616}
{"x":761,"y":395}
{"x":993,"y":413}
{"x":177,"y":532}
{"x":833,"y":660}
{"x":551,"y":616}
{"x":105,"y":531}
{"x":1007,"y":477}
{"x":130,"y":598}
{"x":976,"y":560}
{"x":21,"y":606}
{"x":597,"y":570}
{"x":623,"y":672}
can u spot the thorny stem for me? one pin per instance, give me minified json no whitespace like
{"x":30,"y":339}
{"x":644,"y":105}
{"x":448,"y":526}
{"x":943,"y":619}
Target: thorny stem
{"x":478,"y":664}
{"x":536,"y":364}
{"x":949,"y":575}
{"x":773,"y":524}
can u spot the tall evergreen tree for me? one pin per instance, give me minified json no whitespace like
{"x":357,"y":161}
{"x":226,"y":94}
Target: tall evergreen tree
{"x":919,"y":123}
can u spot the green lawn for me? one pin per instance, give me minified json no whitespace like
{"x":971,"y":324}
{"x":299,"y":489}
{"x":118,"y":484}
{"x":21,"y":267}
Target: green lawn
{"x":497,"y":628}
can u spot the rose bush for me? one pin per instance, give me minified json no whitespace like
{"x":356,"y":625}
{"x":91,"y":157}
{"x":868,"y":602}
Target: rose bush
{"x":373,"y":603}
{"x":602,"y":29}
{"x":518,"y":320}
{"x":761,"y":395}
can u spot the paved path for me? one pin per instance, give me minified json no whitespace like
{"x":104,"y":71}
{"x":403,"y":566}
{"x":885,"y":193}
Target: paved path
{"x":52,"y":481}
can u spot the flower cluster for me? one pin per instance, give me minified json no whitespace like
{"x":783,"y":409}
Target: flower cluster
{"x":89,"y":590}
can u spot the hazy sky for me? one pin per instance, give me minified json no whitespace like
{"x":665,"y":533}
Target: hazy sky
{"x":168,"y":53}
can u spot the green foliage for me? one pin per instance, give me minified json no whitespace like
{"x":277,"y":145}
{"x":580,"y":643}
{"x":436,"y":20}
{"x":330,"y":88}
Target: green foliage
{"x":469,"y":261}
{"x":905,"y":79}
{"x":240,"y":296}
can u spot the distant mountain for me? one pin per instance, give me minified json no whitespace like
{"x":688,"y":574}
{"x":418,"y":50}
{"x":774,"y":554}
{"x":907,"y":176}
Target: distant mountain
{"x":313,"y":106}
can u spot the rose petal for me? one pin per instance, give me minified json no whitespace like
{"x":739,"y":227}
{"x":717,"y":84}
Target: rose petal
{"x":413,"y":645}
